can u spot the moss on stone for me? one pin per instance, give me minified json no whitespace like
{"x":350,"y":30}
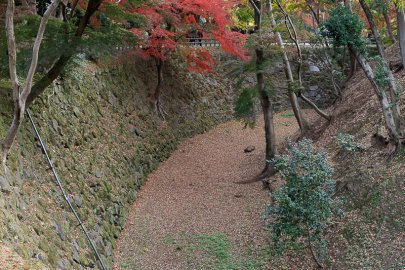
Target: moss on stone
{"x":101,"y":123}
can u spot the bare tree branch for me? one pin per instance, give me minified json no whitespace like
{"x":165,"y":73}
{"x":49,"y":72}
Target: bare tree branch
{"x":20,"y":99}
{"x":35,"y":50}
{"x":303,"y":124}
{"x":294,"y":37}
{"x":258,"y":11}
{"x":72,"y":11}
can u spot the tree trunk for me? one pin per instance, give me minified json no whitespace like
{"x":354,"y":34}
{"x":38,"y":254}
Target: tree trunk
{"x":382,"y":97}
{"x":156,"y":95}
{"x":352,"y":67}
{"x":373,"y":27}
{"x":293,"y":35}
{"x":353,"y":64}
{"x":269,"y":127}
{"x":348,"y":4}
{"x":21,"y":98}
{"x":316,"y":108}
{"x":313,"y":253}
{"x":46,"y":80}
{"x":401,"y":29}
{"x":73,"y":9}
{"x":12,"y":56}
{"x":391,"y":80}
{"x":303,"y":124}
{"x":388,"y":22}
{"x":267,"y":107}
{"x":266,"y":104}
{"x":39,"y":87}
{"x":315,"y":15}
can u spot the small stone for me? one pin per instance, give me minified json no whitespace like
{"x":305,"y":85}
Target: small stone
{"x":251,"y":80}
{"x":94,"y":185}
{"x":135,"y":131}
{"x":97,"y":229}
{"x":98,"y":174}
{"x":55,"y":125}
{"x":249,"y":149}
{"x":313,"y":88}
{"x":77,"y":201}
{"x":63,"y":264}
{"x":212,"y":82}
{"x":4,"y":185}
{"x":76,"y":111}
{"x":40,"y":257}
{"x":76,"y":256}
{"x":59,"y":231}
{"x":314,"y":69}
{"x":26,"y":175}
{"x":112,"y":99}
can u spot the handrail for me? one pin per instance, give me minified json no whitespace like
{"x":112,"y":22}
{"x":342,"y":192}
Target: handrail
{"x":59,"y":183}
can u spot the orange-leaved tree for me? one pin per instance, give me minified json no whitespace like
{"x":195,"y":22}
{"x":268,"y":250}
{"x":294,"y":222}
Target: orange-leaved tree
{"x":170,"y":24}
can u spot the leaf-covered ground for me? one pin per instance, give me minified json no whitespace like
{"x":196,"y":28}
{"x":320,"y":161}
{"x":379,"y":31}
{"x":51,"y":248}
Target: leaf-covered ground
{"x":191,"y":213}
{"x":11,"y":261}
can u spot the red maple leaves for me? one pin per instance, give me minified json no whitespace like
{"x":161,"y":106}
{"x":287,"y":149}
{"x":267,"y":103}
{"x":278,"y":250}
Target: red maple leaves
{"x":171,"y":21}
{"x":168,"y":23}
{"x":200,"y":61}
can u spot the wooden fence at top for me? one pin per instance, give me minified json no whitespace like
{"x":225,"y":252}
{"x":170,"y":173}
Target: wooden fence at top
{"x":210,"y":42}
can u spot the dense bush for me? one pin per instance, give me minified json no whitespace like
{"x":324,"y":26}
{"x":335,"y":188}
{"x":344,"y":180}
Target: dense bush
{"x":346,"y":142}
{"x":345,"y":28}
{"x":304,"y":205}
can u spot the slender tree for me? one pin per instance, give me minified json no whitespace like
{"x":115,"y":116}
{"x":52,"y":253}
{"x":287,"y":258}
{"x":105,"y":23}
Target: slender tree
{"x":59,"y":64}
{"x":265,"y":101}
{"x":392,"y":86}
{"x":345,"y":28}
{"x":399,"y":5}
{"x":294,"y":37}
{"x":353,"y":63}
{"x":303,"y":124}
{"x":168,"y":25}
{"x":21,"y":93}
{"x":387,"y":19}
{"x":24,"y":95}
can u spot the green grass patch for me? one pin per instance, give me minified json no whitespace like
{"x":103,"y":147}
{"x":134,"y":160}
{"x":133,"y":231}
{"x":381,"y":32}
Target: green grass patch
{"x":128,"y":264}
{"x":214,"y":252}
{"x":216,"y":249}
{"x":6,"y":108}
{"x":288,"y":115}
{"x":4,"y":85}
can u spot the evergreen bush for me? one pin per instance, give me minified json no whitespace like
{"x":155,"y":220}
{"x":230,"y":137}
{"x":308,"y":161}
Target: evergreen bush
{"x":303,"y":206}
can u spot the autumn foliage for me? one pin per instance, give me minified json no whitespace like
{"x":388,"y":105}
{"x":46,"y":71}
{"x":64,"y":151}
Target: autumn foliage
{"x":167,"y":24}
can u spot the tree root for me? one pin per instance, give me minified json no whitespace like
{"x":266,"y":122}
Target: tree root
{"x":263,"y":176}
{"x":160,"y":111}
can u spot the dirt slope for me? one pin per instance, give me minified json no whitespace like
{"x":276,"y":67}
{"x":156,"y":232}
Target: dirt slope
{"x":371,"y":234}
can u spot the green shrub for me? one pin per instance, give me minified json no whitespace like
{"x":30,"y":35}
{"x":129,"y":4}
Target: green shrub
{"x":345,"y":28}
{"x":346,"y":142}
{"x":304,"y":205}
{"x":381,"y":73}
{"x":244,"y":106}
